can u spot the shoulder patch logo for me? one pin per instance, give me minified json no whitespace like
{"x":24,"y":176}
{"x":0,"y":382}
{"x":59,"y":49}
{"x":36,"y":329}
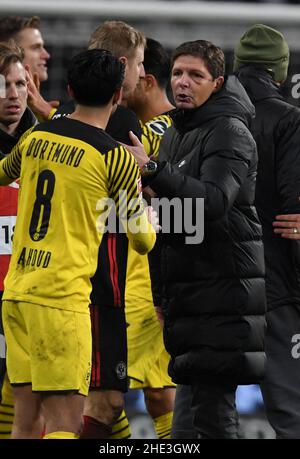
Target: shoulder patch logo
{"x":158,"y":126}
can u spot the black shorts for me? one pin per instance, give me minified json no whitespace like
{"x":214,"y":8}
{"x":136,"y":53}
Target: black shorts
{"x":108,"y":283}
{"x":109,"y":349}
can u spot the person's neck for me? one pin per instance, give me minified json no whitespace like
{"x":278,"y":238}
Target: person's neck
{"x":95,"y":116}
{"x":157,"y":105}
{"x":10,"y":128}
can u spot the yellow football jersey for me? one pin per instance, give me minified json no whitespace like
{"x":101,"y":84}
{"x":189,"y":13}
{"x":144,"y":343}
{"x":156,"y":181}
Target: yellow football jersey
{"x":152,"y":133}
{"x":147,"y":358}
{"x":68,"y":170}
{"x":138,"y":283}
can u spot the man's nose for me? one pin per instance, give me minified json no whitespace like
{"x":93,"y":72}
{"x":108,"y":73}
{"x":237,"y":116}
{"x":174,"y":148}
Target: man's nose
{"x":45,"y":54}
{"x":183,"y":80}
{"x":142,"y":71}
{"x":12,"y":92}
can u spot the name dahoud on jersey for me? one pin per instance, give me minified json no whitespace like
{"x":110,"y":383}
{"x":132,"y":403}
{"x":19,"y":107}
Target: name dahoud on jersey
{"x":69,"y":155}
{"x":34,"y":257}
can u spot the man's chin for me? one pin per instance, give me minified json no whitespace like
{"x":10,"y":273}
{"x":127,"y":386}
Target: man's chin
{"x":43,"y":76}
{"x":13,"y":117}
{"x":184,"y":105}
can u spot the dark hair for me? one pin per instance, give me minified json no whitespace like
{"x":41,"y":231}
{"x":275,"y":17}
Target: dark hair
{"x":211,"y":54}
{"x":9,"y":54}
{"x":10,"y":26}
{"x":94,"y":76}
{"x":157,"y":62}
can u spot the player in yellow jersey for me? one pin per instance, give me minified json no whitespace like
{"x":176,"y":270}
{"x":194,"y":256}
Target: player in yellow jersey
{"x":147,"y":357}
{"x":153,"y":130}
{"x":109,"y":357}
{"x":109,"y":364}
{"x":105,"y":398}
{"x":26,"y":32}
{"x":68,"y":169}
{"x":150,"y":100}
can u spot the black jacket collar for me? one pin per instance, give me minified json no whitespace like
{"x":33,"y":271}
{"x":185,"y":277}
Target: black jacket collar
{"x":258,"y":83}
{"x":8,"y":141}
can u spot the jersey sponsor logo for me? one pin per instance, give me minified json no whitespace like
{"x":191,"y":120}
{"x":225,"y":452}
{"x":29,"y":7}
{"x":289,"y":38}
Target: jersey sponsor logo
{"x":7,"y":226}
{"x":121,"y":370}
{"x":158,"y":126}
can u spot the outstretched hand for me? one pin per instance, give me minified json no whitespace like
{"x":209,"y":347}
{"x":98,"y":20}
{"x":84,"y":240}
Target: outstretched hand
{"x":40,"y":107}
{"x":137,"y":149}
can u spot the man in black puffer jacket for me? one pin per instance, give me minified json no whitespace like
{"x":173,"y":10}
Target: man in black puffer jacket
{"x":214,"y":292}
{"x":261,"y":62}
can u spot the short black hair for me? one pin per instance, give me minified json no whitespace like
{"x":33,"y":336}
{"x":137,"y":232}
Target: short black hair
{"x":94,"y":76}
{"x":157,"y":62}
{"x":211,"y":54}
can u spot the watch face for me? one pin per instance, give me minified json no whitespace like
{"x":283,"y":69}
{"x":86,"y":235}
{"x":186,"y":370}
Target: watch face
{"x":151,"y":166}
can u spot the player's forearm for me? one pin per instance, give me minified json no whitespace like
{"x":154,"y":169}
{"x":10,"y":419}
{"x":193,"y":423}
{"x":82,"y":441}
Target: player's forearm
{"x":141,"y":234}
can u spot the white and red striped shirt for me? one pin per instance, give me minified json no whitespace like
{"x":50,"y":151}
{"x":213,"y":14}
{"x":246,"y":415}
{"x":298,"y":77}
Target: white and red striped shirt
{"x":8,"y":213}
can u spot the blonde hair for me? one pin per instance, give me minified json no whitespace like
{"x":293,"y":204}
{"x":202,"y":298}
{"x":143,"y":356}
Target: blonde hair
{"x":119,"y":38}
{"x":10,"y":53}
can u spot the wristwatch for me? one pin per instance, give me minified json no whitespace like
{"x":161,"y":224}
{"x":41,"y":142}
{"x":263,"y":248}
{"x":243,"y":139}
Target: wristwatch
{"x":149,"y":168}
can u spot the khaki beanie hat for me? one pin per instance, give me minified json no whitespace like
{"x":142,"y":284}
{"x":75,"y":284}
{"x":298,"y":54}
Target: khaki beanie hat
{"x":266,"y":47}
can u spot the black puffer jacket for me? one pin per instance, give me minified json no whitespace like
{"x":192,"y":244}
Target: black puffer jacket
{"x":214,"y":292}
{"x":276,"y":129}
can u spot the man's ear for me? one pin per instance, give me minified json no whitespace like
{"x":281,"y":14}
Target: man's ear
{"x":218,"y":83}
{"x":150,"y":81}
{"x":124,"y":60}
{"x":70,"y":91}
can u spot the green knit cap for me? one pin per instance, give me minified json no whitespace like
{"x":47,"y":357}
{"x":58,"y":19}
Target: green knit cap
{"x":266,"y":47}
